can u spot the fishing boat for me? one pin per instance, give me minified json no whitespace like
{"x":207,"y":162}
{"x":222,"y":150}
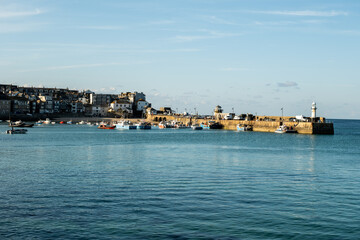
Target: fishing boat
{"x":17,"y":124}
{"x":196,"y":127}
{"x":205,"y":126}
{"x":243,"y":128}
{"x":61,"y":122}
{"x":181,"y":126}
{"x":285,"y":129}
{"x":126,"y":125}
{"x":69,"y":122}
{"x":47,"y":121}
{"x":106,"y":126}
{"x":215,"y":125}
{"x":163,"y":125}
{"x":143,"y":125}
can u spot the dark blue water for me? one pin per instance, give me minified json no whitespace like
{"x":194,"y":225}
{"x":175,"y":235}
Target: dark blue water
{"x":80,"y":182}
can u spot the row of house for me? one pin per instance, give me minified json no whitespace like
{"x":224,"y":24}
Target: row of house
{"x":55,"y":101}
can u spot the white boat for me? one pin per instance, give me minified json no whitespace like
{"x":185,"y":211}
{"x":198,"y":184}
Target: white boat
{"x":47,"y":121}
{"x":243,"y":128}
{"x":81,"y":122}
{"x":181,"y":126}
{"x":69,"y":122}
{"x":285,"y":129}
{"x":127,"y":125}
{"x":196,"y":127}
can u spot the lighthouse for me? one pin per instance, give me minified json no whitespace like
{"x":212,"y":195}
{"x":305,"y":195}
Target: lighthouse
{"x":313,"y":110}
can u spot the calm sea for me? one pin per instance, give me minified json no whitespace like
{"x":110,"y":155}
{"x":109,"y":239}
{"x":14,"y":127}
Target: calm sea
{"x":80,"y":182}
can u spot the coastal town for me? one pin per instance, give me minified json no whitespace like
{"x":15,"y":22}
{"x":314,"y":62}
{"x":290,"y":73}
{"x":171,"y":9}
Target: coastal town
{"x":40,"y":102}
{"x":126,"y":109}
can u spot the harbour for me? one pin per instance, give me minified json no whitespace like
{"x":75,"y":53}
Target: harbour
{"x":187,"y":184}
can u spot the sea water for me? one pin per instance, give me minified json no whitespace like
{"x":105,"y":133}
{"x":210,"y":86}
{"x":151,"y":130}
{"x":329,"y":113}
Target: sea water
{"x":80,"y":182}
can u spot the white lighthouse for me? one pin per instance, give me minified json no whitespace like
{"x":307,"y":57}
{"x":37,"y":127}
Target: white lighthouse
{"x":313,"y":110}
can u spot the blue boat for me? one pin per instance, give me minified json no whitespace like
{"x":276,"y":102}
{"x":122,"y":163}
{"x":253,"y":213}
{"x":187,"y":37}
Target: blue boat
{"x":143,"y":126}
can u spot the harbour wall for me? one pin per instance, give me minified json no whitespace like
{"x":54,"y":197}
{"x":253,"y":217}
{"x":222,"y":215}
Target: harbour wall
{"x":258,"y":124}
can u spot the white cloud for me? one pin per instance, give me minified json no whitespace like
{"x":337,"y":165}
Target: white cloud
{"x":12,"y":14}
{"x":103,"y":27}
{"x":208,"y":35}
{"x":231,"y":69}
{"x":217,"y":20}
{"x":307,"y":13}
{"x":287,"y":84}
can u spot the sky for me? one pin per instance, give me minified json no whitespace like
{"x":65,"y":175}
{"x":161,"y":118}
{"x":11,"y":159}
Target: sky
{"x":248,"y":56}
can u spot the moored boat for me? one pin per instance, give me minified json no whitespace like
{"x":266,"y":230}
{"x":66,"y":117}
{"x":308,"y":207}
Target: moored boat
{"x":163,"y":125}
{"x":196,"y":127}
{"x":127,"y":125}
{"x":205,"y":126}
{"x":17,"y":124}
{"x":47,"y":121}
{"x":106,"y":126}
{"x":285,"y":129}
{"x":143,"y":126}
{"x":243,"y":128}
{"x":215,"y":125}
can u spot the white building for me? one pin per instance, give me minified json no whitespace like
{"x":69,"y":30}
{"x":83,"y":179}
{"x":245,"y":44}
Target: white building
{"x":121,"y":104}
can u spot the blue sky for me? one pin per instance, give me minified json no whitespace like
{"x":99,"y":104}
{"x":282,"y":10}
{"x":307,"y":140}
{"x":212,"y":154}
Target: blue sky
{"x":255,"y":56}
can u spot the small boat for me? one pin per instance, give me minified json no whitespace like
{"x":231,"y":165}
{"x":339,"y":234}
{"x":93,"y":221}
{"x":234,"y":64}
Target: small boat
{"x":143,"y":125}
{"x":181,"y":126}
{"x":81,"y":122}
{"x":285,"y":129}
{"x":105,"y":126}
{"x":17,"y":124}
{"x":61,"y":122}
{"x":127,"y":125}
{"x":16,"y":131}
{"x":47,"y":121}
{"x":163,"y":125}
{"x":196,"y":127}
{"x":215,"y":125}
{"x":243,"y":128}
{"x":40,"y":122}
{"x":205,"y":126}
{"x":69,"y":122}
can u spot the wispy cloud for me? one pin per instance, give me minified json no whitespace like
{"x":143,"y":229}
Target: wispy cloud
{"x":102,"y":27}
{"x":287,"y":84}
{"x":207,"y":35}
{"x":12,"y":14}
{"x":161,"y":22}
{"x":53,"y":68}
{"x":231,"y":69}
{"x":217,"y":20}
{"x":305,"y":13}
{"x":19,"y":27}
